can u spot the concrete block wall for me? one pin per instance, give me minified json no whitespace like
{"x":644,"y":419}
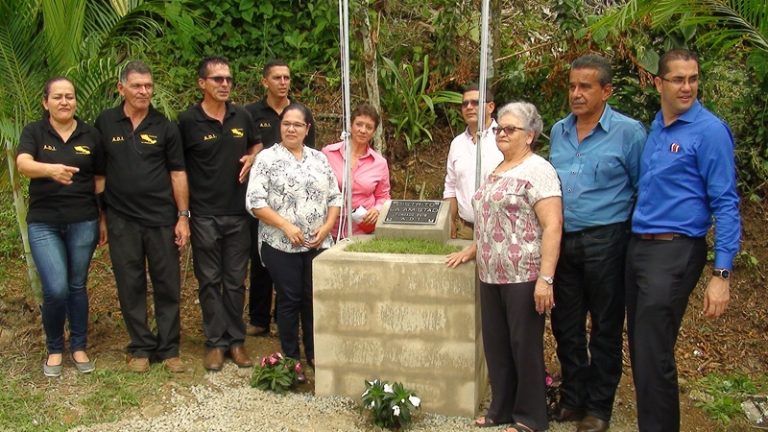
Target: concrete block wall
{"x":404,"y":318}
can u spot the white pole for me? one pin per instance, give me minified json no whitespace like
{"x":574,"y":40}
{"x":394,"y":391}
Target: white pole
{"x":347,"y":178}
{"x":482,"y":87}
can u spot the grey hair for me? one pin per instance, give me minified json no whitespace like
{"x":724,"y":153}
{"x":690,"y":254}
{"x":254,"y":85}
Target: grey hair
{"x":526,"y":112}
{"x":134,"y":66}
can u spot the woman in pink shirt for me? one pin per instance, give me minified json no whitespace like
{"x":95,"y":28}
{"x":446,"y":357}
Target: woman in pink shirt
{"x":370,"y":172}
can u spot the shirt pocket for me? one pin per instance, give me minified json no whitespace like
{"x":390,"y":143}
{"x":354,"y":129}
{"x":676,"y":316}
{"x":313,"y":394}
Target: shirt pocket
{"x":609,"y":172}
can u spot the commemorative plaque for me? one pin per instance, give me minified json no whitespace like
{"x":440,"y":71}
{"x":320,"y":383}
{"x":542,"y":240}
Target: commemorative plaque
{"x":413,"y":212}
{"x":414,"y":219}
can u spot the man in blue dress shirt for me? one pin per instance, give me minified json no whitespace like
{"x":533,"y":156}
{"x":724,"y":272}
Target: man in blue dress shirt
{"x":596,"y":152}
{"x":687,"y":180}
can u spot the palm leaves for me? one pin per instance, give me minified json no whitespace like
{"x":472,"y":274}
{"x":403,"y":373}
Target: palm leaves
{"x":721,"y":24}
{"x":83,"y":39}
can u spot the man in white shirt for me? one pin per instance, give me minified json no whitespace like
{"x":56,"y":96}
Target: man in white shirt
{"x":462,"y":162}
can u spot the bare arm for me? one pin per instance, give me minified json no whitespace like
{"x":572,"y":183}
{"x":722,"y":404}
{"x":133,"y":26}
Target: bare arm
{"x":453,"y":214}
{"x":549,"y":212}
{"x":247,"y":161}
{"x":31,"y":168}
{"x":99,"y":182}
{"x":181,"y":196}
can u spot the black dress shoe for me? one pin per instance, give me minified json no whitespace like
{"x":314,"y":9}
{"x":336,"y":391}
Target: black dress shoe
{"x":592,"y":424}
{"x":565,"y":414}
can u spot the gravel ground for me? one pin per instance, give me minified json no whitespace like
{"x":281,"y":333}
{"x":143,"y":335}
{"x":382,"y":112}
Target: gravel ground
{"x":227,"y":403}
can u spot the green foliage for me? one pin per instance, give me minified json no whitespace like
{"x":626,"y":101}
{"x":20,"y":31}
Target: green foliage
{"x":276,"y":373}
{"x":23,"y":410}
{"x":105,"y":395}
{"x":410,"y":105}
{"x":402,"y":246}
{"x":724,"y":395}
{"x":302,"y":32}
{"x":391,"y":405}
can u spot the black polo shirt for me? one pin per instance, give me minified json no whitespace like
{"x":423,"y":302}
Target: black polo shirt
{"x":267,"y":122}
{"x":138,"y":165}
{"x":212,"y":151}
{"x":49,"y":200}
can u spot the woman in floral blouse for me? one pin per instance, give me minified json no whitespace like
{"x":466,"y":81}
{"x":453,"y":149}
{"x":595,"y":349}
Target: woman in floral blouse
{"x":293,"y":192}
{"x":518,"y":222}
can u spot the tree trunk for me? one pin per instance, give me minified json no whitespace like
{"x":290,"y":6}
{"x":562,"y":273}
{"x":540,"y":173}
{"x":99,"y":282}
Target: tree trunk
{"x":20,"y":205}
{"x":370,"y":41}
{"x":494,"y":37}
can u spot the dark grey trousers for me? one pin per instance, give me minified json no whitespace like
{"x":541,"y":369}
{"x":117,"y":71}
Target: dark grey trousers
{"x":221,"y":246}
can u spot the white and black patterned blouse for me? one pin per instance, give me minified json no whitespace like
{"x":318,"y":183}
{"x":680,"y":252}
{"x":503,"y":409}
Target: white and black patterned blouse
{"x":301,"y":191}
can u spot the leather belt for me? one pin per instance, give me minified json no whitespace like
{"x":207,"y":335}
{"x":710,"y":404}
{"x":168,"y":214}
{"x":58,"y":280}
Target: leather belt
{"x":659,"y":236}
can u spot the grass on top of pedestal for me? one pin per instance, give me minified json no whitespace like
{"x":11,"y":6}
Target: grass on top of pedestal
{"x":403,"y":246}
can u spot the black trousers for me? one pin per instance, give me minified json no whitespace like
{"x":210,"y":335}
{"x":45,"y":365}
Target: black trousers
{"x":260,"y":297}
{"x":660,"y":277}
{"x":133,"y":248}
{"x":221,"y":246}
{"x":513,"y":340}
{"x":292,"y":273}
{"x":590,"y":280}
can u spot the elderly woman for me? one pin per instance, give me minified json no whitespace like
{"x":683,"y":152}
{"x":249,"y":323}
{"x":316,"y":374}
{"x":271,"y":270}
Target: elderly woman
{"x":370,"y":173}
{"x":518,"y":221}
{"x":62,"y":157}
{"x":293,"y":192}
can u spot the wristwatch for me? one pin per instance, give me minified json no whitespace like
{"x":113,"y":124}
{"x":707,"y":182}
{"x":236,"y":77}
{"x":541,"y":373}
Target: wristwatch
{"x":548,"y":279}
{"x":721,"y":273}
{"x":184,"y":213}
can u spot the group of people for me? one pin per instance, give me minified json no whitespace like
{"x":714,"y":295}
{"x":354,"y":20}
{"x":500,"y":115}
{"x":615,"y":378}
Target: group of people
{"x":149,"y":186}
{"x":613,"y":225}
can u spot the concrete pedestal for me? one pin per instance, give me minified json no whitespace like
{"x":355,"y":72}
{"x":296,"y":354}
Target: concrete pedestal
{"x":404,"y":318}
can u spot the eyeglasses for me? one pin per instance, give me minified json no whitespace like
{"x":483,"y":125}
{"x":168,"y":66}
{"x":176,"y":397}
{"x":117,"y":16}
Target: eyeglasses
{"x":470,"y":102}
{"x":289,"y":125}
{"x":680,"y":81}
{"x":221,"y":79}
{"x":508,"y":130}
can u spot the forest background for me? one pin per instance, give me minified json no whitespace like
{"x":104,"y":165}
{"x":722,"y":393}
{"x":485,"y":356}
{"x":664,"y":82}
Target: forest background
{"x":410,"y":57}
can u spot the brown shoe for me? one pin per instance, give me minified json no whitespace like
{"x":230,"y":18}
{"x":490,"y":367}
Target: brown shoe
{"x":240,"y":356}
{"x":592,"y":424}
{"x":252,"y":330}
{"x":565,"y":414}
{"x":214,"y":359}
{"x":174,"y":365}
{"x":138,"y":364}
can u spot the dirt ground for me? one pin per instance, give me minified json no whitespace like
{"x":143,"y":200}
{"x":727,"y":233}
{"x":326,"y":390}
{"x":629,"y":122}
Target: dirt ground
{"x":736,"y":342}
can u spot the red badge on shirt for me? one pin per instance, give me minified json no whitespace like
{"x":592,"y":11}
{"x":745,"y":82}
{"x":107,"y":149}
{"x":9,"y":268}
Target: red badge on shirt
{"x":674,"y":148}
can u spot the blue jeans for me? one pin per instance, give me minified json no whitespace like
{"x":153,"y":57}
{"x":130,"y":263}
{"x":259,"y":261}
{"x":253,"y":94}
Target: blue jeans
{"x":62,"y":254}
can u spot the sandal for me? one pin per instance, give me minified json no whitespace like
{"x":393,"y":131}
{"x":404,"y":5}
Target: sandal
{"x":484,"y":422}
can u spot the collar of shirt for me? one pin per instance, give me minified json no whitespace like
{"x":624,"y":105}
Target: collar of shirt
{"x":604,"y":123}
{"x":686,"y":117}
{"x":201,"y":116}
{"x":339,"y":147}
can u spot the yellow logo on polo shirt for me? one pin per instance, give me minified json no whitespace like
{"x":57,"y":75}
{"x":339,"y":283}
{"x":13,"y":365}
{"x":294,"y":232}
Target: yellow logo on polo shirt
{"x":209,"y":137}
{"x":238,"y":132}
{"x":118,"y":138}
{"x":82,"y":150}
{"x":49,"y":147}
{"x":265,"y":125}
{"x":148,"y":139}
